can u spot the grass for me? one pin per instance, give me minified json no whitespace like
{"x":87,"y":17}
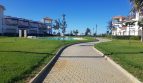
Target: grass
{"x":129,"y":54}
{"x":21,"y":58}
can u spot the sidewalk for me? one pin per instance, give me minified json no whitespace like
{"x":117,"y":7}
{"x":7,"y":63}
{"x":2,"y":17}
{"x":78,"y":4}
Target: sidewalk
{"x":80,"y":63}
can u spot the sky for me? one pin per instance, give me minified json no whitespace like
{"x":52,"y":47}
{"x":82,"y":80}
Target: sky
{"x":80,"y":14}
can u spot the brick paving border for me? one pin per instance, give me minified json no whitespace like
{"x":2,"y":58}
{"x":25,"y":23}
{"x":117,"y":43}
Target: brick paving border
{"x":43,"y":73}
{"x":39,"y":78}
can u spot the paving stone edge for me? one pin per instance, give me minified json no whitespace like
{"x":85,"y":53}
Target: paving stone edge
{"x":39,"y":78}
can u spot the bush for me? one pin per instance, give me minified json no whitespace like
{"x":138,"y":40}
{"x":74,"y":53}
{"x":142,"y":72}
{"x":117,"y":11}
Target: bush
{"x":127,"y":37}
{"x":135,"y":37}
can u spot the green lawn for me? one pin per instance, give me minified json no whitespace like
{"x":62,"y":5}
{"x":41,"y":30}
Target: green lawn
{"x":20,"y":58}
{"x":128,"y":54}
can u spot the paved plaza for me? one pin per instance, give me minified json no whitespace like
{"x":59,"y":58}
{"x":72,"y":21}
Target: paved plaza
{"x":80,"y":63}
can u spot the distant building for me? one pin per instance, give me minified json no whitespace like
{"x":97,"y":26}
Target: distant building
{"x":117,"y":22}
{"x":121,"y":29}
{"x":48,"y":22}
{"x":19,"y":26}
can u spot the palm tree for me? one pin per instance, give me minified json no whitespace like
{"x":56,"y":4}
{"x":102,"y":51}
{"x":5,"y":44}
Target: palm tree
{"x":137,"y":7}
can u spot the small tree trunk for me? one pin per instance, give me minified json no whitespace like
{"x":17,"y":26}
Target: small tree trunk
{"x":142,"y":35}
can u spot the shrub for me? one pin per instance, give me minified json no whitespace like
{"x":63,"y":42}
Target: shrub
{"x":135,"y":37}
{"x":127,"y":37}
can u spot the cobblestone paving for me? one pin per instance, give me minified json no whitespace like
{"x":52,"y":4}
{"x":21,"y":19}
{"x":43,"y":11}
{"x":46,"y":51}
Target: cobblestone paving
{"x":82,"y":64}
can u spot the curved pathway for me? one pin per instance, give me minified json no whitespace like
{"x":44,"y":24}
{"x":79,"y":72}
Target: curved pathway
{"x":80,"y":63}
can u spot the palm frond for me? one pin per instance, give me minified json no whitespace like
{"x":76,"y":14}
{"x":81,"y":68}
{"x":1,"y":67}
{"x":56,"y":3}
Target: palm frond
{"x":137,"y":5}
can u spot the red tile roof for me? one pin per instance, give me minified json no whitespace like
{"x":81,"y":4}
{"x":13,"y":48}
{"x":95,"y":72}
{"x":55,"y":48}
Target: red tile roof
{"x":117,"y":17}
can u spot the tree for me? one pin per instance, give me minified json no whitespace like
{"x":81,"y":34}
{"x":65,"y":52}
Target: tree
{"x":63,"y":24}
{"x":56,"y":26}
{"x":71,"y":33}
{"x":75,"y":32}
{"x":137,"y":7}
{"x":87,"y":32}
{"x":54,"y":33}
{"x":109,"y":27}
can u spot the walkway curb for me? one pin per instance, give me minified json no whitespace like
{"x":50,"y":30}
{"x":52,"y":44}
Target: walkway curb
{"x":129,"y":75}
{"x":39,"y":78}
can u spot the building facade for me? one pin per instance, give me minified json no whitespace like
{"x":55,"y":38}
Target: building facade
{"x":23,"y":27}
{"x":120,"y":28}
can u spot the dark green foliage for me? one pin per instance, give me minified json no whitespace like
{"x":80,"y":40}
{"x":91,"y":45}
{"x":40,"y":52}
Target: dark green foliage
{"x":75,"y":32}
{"x":135,"y":37}
{"x":127,"y":37}
{"x":87,"y":32}
{"x":109,"y":27}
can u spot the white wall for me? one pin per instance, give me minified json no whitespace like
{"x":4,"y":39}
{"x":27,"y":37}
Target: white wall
{"x":130,"y":30}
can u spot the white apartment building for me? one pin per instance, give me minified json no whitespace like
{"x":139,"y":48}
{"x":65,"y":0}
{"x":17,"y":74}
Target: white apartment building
{"x":120,"y":29}
{"x":23,"y":27}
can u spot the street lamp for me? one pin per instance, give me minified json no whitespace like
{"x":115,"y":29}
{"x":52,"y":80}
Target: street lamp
{"x":96,"y":31}
{"x":93,"y":32}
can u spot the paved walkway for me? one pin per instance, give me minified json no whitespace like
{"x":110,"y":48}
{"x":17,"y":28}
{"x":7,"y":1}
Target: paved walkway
{"x":80,"y":63}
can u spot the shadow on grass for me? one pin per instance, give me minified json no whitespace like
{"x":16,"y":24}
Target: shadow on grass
{"x":28,"y":52}
{"x":125,"y":53}
{"x":111,"y":53}
{"x":108,"y":52}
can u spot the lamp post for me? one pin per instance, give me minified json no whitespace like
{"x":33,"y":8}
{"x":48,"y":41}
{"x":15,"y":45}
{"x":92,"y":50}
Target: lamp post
{"x":96,"y":31}
{"x":93,"y":32}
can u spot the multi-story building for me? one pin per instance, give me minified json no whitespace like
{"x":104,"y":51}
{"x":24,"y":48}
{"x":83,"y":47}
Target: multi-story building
{"x":19,"y":26}
{"x":117,"y":22}
{"x":48,"y":22}
{"x":120,"y":27}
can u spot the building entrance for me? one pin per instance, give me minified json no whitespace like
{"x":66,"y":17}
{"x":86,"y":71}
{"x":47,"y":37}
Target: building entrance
{"x":23,"y":33}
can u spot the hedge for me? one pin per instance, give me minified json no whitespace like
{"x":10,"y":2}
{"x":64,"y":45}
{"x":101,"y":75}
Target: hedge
{"x":127,"y":37}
